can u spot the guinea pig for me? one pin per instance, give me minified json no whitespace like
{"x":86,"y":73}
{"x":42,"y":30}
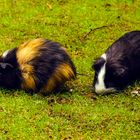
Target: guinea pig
{"x":38,"y":65}
{"x":119,"y":66}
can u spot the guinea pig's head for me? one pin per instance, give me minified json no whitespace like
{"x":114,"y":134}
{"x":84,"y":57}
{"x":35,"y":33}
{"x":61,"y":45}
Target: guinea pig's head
{"x":110,"y":76}
{"x":5,"y":69}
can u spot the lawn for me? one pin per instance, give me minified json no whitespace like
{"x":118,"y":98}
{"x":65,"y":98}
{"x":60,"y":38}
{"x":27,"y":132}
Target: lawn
{"x":86,"y":28}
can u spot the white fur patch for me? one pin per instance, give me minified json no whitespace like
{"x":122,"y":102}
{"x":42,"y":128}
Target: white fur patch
{"x":5,"y":53}
{"x":104,"y":56}
{"x":100,"y":86}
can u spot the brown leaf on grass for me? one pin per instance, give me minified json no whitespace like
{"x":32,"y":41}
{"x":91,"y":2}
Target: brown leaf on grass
{"x":90,"y":95}
{"x":1,"y":109}
{"x":63,"y":100}
{"x":49,"y":6}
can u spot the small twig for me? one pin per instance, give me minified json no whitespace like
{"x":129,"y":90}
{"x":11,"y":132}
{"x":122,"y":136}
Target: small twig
{"x":93,"y":30}
{"x":88,"y":75}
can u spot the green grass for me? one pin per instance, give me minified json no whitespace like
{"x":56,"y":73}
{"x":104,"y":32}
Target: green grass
{"x":79,"y":115}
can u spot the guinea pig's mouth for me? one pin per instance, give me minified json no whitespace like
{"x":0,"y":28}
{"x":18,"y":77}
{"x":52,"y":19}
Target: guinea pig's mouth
{"x":106,"y":91}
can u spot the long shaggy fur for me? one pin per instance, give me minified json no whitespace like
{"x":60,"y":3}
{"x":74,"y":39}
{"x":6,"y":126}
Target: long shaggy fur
{"x":36,"y":65}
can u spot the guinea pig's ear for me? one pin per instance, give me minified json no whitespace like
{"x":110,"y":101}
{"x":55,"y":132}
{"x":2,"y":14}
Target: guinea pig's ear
{"x":6,"y":66}
{"x":98,"y":63}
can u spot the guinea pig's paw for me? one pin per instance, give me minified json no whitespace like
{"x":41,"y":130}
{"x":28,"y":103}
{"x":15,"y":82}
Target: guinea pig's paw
{"x":136,"y":92}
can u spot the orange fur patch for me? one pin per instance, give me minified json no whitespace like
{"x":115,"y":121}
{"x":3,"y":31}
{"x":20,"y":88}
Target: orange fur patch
{"x":28,"y":50}
{"x":28,"y":76}
{"x":62,"y":74}
{"x":25,"y":53}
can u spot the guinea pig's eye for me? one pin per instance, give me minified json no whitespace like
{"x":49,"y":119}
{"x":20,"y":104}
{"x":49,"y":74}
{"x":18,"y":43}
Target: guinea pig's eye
{"x":120,"y":72}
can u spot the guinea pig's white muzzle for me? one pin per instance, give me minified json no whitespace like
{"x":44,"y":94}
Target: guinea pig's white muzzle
{"x":102,"y":91}
{"x":100,"y":87}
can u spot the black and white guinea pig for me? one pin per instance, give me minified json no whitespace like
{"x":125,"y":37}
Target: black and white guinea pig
{"x":119,"y":66}
{"x":38,"y":65}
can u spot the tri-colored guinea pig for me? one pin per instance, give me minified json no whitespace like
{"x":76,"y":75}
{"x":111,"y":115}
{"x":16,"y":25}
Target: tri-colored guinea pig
{"x":38,"y":65}
{"x":119,"y":66}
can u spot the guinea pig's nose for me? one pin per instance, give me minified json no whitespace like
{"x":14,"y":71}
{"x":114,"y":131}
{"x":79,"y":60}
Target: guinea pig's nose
{"x":100,"y":91}
{"x":105,"y":91}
